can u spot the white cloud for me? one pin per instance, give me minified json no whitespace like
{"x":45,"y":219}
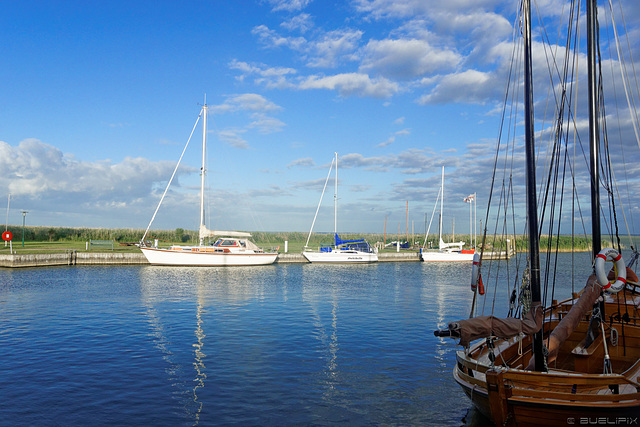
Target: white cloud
{"x":353,"y":84}
{"x":233,"y":137}
{"x":389,"y":141}
{"x":327,"y":49}
{"x":266,"y":124}
{"x":305,"y":162}
{"x":36,"y":169}
{"x":288,"y":5}
{"x":258,"y":109}
{"x":302,"y":23}
{"x":271,"y":39}
{"x":332,"y":48}
{"x":407,"y":59}
{"x":384,"y":9}
{"x":246,"y":102}
{"x":470,"y":86}
{"x":270,"y":77}
{"x":44,"y":179}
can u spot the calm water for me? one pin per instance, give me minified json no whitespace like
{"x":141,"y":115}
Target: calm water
{"x":275,"y":345}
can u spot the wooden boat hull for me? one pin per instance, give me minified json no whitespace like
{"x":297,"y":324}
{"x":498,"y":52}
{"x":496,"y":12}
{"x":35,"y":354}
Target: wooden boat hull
{"x":531,"y":411}
{"x":573,"y":391}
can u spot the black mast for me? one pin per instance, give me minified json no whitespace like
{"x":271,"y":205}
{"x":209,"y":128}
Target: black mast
{"x":532,"y":203}
{"x":594,"y":134}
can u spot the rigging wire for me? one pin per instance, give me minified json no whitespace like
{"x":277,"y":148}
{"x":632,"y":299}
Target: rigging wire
{"x":320,"y":202}
{"x":171,"y":179}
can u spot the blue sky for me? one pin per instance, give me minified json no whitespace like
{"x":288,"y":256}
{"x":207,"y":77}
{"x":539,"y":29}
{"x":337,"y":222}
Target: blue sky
{"x":99,"y":98}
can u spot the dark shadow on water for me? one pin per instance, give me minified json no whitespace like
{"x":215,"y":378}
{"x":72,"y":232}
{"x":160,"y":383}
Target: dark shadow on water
{"x":474,"y":418}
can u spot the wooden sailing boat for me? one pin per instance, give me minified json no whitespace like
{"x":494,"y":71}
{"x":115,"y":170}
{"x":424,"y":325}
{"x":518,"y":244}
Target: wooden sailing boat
{"x":591,"y":374}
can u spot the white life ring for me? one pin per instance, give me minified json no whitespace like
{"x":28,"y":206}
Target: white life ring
{"x":474,"y":271}
{"x":610,"y":254}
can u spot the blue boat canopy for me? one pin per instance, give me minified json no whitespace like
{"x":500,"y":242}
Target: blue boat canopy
{"x":339,"y":241}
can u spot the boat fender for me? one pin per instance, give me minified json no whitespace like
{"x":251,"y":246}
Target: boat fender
{"x":614,"y":337}
{"x":480,"y":285}
{"x":610,"y":254}
{"x":474,"y":271}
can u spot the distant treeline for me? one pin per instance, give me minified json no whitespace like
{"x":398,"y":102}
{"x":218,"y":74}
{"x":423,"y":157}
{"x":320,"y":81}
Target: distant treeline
{"x":180,"y":235}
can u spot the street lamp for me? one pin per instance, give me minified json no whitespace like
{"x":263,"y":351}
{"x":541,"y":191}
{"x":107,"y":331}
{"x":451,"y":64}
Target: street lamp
{"x":24,"y":216}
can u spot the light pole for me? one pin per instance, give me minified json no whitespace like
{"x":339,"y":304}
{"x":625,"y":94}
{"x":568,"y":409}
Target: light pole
{"x":24,"y":217}
{"x":471,"y":198}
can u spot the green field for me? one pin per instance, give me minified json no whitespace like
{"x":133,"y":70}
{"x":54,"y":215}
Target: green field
{"x":61,"y":239}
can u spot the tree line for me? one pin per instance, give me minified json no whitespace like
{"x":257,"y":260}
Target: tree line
{"x":180,"y":235}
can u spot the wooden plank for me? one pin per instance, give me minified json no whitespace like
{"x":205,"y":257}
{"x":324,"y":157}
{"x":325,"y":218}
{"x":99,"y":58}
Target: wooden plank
{"x":574,"y":397}
{"x":580,"y":379}
{"x":498,"y":396}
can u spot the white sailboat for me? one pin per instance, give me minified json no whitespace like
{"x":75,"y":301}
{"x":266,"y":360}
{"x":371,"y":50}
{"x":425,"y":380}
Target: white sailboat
{"x":343,"y":251}
{"x":230,"y":249}
{"x":447,"y":252}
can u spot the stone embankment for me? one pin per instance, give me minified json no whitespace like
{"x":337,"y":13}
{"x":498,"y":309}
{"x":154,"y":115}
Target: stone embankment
{"x":71,"y":258}
{"x":115,"y":258}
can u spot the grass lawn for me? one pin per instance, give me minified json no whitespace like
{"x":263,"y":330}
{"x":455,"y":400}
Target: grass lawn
{"x":60,"y":247}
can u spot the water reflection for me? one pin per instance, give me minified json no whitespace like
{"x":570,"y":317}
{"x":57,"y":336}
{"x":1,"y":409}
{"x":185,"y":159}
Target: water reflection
{"x":318,"y":288}
{"x":199,"y":354}
{"x":307,"y":344}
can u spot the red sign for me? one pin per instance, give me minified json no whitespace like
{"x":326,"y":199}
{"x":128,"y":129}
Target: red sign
{"x":7,"y":236}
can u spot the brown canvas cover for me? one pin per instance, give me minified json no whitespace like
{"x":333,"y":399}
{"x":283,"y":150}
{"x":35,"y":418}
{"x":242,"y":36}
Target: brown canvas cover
{"x":486,"y":326}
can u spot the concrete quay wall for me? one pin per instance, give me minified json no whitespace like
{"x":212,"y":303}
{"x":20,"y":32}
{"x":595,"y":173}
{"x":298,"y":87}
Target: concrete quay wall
{"x":399,"y":256}
{"x":115,"y":258}
{"x":71,"y":258}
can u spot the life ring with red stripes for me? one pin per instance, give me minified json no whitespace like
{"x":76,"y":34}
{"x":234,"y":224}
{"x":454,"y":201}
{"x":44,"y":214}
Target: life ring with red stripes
{"x":475,"y":270}
{"x":610,"y":254}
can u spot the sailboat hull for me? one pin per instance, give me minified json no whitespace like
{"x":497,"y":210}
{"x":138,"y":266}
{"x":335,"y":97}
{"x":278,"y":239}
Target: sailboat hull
{"x":157,"y":256}
{"x":574,"y":391}
{"x":447,"y":256}
{"x":539,"y":410}
{"x":345,"y":257}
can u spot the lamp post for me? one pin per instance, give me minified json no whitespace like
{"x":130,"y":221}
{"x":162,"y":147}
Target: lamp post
{"x":471,"y":199}
{"x":24,"y":217}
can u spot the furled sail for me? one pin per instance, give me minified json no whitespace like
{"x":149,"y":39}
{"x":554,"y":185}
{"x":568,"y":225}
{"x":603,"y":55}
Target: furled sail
{"x":485,"y":326}
{"x":205,"y":232}
{"x":339,"y":241}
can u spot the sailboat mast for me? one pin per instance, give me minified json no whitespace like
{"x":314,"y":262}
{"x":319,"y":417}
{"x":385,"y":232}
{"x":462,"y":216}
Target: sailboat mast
{"x":202,"y":170}
{"x":441,"y":206}
{"x":335,"y":201}
{"x":532,"y":203}
{"x":594,"y":135}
